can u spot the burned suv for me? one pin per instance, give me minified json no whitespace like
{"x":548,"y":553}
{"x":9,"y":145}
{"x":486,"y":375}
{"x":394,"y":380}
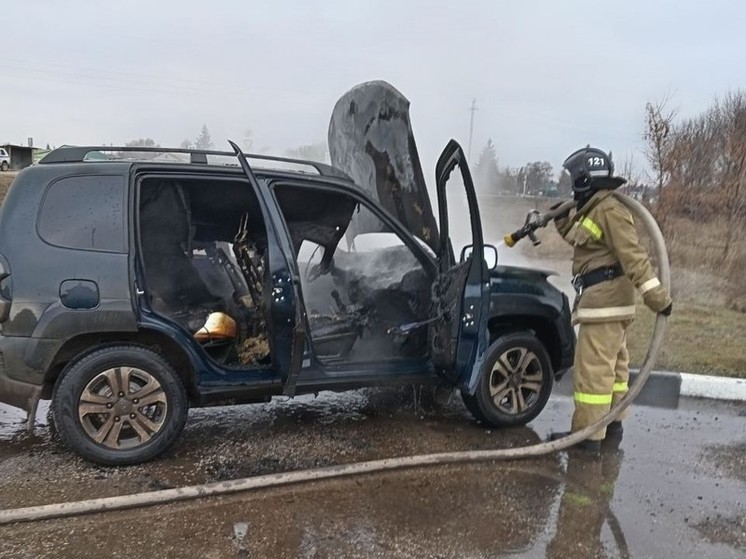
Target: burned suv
{"x":135,"y":287}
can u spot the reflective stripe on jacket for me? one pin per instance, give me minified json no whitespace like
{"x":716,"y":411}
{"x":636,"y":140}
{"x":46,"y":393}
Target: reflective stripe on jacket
{"x":603,"y":234}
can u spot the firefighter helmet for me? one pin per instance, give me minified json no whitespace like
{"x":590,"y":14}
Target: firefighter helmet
{"x":591,"y":169}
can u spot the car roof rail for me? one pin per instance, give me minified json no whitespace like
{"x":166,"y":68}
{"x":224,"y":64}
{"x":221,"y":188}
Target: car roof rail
{"x":80,"y":154}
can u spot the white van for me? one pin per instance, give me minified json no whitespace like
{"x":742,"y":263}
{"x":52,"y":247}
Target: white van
{"x":4,"y":160}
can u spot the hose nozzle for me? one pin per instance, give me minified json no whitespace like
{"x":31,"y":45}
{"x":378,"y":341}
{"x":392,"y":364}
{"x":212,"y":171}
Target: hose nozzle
{"x":533,"y":222}
{"x":536,"y":220}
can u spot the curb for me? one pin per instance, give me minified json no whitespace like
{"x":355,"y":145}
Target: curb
{"x":717,"y":388}
{"x":664,"y":388}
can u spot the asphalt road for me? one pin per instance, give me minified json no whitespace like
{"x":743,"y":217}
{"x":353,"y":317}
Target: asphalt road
{"x":676,"y":488}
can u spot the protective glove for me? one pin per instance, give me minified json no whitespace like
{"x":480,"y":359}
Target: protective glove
{"x":667,"y":310}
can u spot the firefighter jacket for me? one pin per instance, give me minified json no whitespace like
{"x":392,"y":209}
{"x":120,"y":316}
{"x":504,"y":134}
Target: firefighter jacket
{"x":603,"y":234}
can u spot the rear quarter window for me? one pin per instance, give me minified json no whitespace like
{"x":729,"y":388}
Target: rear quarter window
{"x":84,"y":212}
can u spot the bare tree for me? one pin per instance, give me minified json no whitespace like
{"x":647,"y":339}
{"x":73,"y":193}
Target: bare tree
{"x":659,"y":117}
{"x":733,"y":111}
{"x":507,"y":181}
{"x":635,"y":186}
{"x":538,"y":176}
{"x":702,"y":187}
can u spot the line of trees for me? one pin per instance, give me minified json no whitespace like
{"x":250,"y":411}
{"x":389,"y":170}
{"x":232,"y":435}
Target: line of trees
{"x":202,"y":141}
{"x":313,"y":152}
{"x":535,"y":178}
{"x":699,"y":168}
{"x":700,"y":162}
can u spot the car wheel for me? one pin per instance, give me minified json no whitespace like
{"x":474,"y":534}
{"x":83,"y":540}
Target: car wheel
{"x":120,"y":405}
{"x":514,"y":384}
{"x":4,"y":166}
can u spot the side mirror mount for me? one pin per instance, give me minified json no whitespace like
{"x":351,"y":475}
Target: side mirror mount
{"x":489,"y":255}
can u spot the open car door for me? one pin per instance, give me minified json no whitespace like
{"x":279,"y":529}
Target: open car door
{"x":461,"y":292}
{"x":287,"y":332}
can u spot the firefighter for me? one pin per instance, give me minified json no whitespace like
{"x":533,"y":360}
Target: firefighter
{"x":608,"y":264}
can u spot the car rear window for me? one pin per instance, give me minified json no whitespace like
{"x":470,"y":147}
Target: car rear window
{"x":84,"y":212}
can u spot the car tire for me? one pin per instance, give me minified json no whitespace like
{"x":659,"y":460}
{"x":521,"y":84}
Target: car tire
{"x":4,"y":166}
{"x":119,"y":405}
{"x":514,"y":384}
{"x":54,"y":435}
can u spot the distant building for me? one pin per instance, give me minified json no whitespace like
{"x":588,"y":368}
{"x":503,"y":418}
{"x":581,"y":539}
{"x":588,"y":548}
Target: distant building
{"x":20,"y":156}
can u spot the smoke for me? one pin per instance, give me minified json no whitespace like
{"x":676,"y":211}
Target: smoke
{"x":500,"y":215}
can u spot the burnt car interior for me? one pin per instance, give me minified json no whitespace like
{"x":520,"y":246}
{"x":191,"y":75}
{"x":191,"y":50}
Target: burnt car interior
{"x":364,"y":303}
{"x":204,"y":266}
{"x":204,"y":262}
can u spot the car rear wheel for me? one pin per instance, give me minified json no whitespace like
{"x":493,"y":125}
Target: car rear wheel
{"x":514,"y":384}
{"x":4,"y":166}
{"x":120,"y":405}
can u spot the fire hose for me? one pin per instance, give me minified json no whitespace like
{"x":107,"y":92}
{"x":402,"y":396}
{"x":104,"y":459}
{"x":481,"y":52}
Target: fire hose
{"x":150,"y":498}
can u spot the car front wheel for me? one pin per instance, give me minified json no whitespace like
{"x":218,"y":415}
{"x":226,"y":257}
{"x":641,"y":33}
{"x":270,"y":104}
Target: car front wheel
{"x":4,"y":166}
{"x":120,"y":405}
{"x":514,"y":384}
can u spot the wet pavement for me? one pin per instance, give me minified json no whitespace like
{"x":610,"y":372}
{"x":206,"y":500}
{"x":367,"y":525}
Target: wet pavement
{"x":675,"y":488}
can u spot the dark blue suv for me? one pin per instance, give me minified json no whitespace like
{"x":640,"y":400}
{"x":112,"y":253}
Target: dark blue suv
{"x":136,"y":286}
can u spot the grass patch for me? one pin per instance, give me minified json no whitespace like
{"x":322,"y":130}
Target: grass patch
{"x":699,"y":339}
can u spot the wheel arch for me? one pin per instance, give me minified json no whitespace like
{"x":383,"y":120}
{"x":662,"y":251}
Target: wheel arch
{"x":83,"y":344}
{"x":540,"y":327}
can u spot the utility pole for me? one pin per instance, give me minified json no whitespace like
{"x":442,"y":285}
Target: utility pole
{"x":472,"y":110}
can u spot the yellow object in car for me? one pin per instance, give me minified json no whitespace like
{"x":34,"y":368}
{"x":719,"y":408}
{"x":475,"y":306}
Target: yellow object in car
{"x":218,"y":326}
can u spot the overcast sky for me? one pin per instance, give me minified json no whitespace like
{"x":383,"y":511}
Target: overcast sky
{"x":548,"y":76}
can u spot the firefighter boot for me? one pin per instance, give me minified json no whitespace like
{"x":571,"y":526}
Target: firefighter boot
{"x":614,"y":434}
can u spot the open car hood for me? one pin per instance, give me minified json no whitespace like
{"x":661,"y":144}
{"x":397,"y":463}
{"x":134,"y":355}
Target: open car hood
{"x":371,"y":139}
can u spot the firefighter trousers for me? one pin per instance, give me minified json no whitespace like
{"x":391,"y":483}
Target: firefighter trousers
{"x":600,"y":372}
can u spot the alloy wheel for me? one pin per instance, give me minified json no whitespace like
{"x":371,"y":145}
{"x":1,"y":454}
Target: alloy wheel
{"x":122,"y":407}
{"x":516,"y":380}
